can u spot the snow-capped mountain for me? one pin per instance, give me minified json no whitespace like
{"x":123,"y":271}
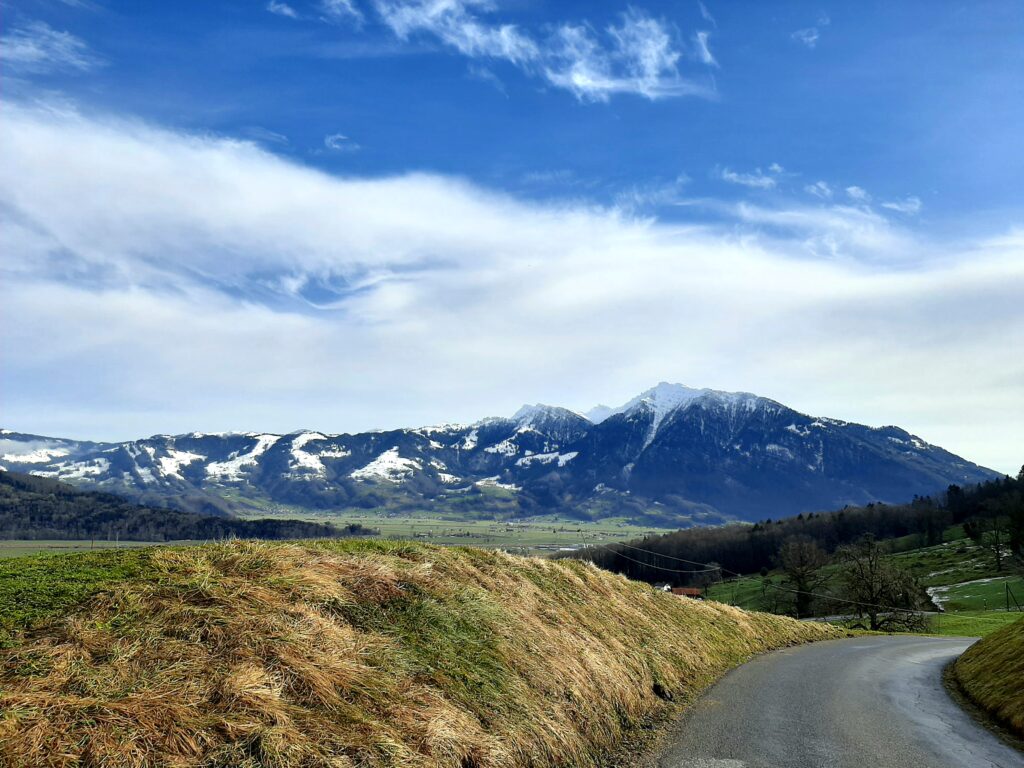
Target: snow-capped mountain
{"x":672,"y":453}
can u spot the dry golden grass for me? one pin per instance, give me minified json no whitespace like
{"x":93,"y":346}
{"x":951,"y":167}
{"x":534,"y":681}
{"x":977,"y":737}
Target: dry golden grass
{"x":362,"y":654}
{"x":991,"y":673}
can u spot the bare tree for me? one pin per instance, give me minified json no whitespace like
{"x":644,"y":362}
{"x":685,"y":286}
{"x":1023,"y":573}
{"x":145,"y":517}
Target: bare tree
{"x":878,"y":587}
{"x":801,"y":560}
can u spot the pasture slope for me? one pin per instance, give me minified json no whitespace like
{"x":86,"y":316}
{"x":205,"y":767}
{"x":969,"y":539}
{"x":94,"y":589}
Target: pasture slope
{"x":991,"y":673}
{"x":353,"y":653}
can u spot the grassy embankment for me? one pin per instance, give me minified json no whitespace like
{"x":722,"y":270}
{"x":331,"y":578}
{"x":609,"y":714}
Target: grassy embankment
{"x":991,"y":673}
{"x":368,"y":653}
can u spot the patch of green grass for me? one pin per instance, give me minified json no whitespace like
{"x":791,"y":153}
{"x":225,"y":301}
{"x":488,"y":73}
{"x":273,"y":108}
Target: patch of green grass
{"x":449,"y":639}
{"x":971,"y":623}
{"x":22,"y":547}
{"x":981,"y":595}
{"x":747,"y":592}
{"x":949,"y":563}
{"x":41,"y":586}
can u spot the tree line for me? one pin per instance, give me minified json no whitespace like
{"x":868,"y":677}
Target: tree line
{"x":992,"y":514}
{"x":40,"y":508}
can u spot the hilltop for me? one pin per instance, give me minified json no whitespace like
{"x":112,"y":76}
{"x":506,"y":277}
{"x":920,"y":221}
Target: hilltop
{"x":367,"y":653}
{"x":673,"y":456}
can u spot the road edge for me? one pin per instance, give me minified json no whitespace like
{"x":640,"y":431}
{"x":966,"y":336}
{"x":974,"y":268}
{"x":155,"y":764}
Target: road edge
{"x":978,"y":714}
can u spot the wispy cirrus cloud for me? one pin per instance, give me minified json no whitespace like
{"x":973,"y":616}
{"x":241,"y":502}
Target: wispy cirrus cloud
{"x":703,"y":52}
{"x":706,"y":14}
{"x":341,"y":9}
{"x":809,"y":36}
{"x":638,"y":55}
{"x":858,"y":193}
{"x":282,"y":9}
{"x":756,"y":180}
{"x":339,"y":142}
{"x":820,"y":189}
{"x":911,"y":205}
{"x":36,"y":48}
{"x":454,"y":23}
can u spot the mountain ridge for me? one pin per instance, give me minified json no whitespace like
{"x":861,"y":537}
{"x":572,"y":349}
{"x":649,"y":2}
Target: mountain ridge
{"x":683,"y":455}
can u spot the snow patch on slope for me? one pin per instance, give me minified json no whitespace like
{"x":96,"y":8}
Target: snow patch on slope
{"x":495,"y":482}
{"x":506,"y":447}
{"x":303,"y":460}
{"x":388,"y":466}
{"x":77,"y":470}
{"x":232,"y":468}
{"x":32,"y":452}
{"x":171,"y":464}
{"x":547,"y":458}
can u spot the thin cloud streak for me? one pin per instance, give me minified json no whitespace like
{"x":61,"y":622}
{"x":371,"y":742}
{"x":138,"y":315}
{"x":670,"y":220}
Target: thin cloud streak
{"x":36,"y":48}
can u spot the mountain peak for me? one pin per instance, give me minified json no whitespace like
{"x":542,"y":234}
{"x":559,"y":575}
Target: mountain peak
{"x":529,"y":415}
{"x":662,"y":399}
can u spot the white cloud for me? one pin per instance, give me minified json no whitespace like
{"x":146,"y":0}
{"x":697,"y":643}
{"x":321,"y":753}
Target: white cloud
{"x":858,"y":193}
{"x":38,"y":48}
{"x":706,"y":14}
{"x":282,"y":9}
{"x":911,"y":205}
{"x":836,"y":231}
{"x":755,"y":180}
{"x":641,"y":60}
{"x":704,"y":54}
{"x":172,"y":273}
{"x":341,"y":9}
{"x":339,"y":142}
{"x":258,"y":133}
{"x":642,"y":196}
{"x":637,"y":56}
{"x":819,"y":189}
{"x":454,"y":24}
{"x":775,"y":168}
{"x":808,"y":37}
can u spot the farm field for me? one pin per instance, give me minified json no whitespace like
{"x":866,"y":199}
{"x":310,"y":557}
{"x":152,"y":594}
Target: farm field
{"x":19,"y":548}
{"x":534,"y":537}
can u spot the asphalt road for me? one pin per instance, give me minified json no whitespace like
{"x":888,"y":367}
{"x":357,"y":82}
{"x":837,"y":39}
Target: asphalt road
{"x":872,"y":702}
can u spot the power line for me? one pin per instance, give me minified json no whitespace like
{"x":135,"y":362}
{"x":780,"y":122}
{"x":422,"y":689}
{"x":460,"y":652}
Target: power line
{"x":769,"y":584}
{"x":641,"y":562}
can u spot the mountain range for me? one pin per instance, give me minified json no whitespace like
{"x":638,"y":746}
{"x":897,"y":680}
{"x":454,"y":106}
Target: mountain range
{"x":673,"y":455}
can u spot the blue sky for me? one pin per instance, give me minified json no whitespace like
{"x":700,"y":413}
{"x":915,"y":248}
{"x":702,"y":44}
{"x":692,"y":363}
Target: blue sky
{"x":346,"y":215}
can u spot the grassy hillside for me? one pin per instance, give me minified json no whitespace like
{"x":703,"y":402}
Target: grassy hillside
{"x":958,"y":575}
{"x":367,"y":653}
{"x":991,"y":671}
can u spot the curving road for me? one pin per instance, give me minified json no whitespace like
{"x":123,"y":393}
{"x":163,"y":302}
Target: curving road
{"x":874,"y":702}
